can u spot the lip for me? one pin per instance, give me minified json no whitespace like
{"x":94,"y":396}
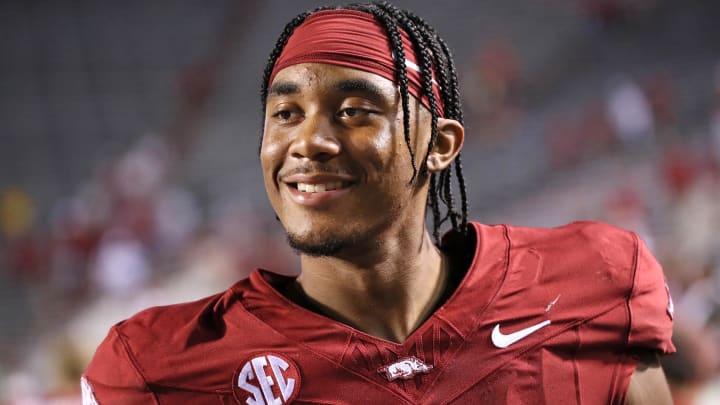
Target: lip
{"x":320,"y":198}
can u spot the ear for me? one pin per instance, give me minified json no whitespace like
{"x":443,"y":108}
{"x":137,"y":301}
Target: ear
{"x":449,"y":141}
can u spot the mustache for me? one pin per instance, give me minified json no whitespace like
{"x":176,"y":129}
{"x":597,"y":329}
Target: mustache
{"x":316,"y":168}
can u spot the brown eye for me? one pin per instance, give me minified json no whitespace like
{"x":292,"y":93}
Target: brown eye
{"x":283,"y":115}
{"x":352,"y":112}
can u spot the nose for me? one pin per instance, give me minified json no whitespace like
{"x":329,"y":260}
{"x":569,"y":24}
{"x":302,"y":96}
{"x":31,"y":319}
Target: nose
{"x":315,"y":140}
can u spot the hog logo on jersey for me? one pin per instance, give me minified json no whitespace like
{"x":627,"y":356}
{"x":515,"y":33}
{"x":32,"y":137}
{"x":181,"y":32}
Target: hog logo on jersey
{"x":405,"y":368}
{"x":266,"y":379}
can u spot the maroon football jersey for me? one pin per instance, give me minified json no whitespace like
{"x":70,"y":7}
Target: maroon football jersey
{"x":542,"y":316}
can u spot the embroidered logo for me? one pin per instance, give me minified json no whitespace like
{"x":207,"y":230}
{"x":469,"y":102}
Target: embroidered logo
{"x":88,"y":398}
{"x":405,"y":368}
{"x":501,"y":340}
{"x":266,"y":379}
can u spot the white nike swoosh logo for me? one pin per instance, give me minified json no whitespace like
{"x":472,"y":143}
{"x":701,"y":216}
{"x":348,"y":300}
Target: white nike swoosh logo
{"x":502,"y":340}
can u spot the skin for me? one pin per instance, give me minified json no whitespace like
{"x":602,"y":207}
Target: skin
{"x":648,"y":384}
{"x":327,"y":124}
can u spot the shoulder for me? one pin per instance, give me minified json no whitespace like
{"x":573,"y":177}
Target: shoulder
{"x":591,"y":266}
{"x":601,"y":272}
{"x":581,"y":246}
{"x":161,"y":341}
{"x":584,"y":235}
{"x":162,"y":326}
{"x":584,"y":249}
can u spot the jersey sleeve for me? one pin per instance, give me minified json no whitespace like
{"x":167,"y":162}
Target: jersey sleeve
{"x":112,"y":377}
{"x":650,"y":305}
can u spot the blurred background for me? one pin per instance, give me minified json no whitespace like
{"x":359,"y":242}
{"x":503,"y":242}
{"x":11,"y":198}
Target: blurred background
{"x":129,"y":174}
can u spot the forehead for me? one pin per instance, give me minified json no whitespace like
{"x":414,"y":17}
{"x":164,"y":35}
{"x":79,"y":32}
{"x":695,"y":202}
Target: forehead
{"x":307,"y":77}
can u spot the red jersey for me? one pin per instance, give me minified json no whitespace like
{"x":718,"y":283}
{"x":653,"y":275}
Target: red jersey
{"x":542,"y":316}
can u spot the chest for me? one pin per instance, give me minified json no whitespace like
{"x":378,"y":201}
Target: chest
{"x":540,"y":365}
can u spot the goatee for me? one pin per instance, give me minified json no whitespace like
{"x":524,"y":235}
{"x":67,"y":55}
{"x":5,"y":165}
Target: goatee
{"x":327,"y":247}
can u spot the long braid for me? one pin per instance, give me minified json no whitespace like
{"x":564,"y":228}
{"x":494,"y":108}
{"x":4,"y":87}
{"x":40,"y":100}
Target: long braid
{"x":435,"y":207}
{"x":398,"y":50}
{"x":443,"y":60}
{"x":463,"y":191}
{"x":453,"y":108}
{"x":425,"y":59}
{"x":420,"y":39}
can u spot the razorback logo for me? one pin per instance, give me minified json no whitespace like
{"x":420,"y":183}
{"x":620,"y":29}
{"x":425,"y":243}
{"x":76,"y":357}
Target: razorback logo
{"x":405,"y":368}
{"x":266,"y":379}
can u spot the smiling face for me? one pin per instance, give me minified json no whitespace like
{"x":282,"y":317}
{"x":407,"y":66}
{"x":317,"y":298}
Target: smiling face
{"x":334,"y":159}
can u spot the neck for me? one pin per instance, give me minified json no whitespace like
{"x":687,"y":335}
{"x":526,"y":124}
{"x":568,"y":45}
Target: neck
{"x":387,"y":291}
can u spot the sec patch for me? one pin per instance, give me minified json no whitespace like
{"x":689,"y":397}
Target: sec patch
{"x":266,"y":378}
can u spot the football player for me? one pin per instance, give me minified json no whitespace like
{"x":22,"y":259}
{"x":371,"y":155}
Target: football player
{"x":363,"y":130}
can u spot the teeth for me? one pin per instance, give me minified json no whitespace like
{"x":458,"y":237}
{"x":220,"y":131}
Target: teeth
{"x":316,"y":188}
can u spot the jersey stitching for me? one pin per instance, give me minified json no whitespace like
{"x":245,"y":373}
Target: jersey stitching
{"x":628,"y":307}
{"x":348,"y":341}
{"x":631,"y":291}
{"x":576,"y":371}
{"x":134,"y":364}
{"x":451,"y":325}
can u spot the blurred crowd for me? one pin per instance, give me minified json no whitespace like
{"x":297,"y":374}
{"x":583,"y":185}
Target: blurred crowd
{"x":667,"y":185}
{"x":133,"y":234}
{"x":132,"y":237}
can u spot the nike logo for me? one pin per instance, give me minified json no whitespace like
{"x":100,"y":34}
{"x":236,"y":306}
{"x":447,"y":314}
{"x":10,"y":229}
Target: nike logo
{"x":502,"y":340}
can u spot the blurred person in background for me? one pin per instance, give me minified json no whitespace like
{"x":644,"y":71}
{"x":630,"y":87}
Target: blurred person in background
{"x":362,"y":136}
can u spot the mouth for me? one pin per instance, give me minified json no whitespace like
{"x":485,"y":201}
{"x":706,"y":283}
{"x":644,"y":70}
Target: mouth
{"x":317,"y":191}
{"x":319,"y":187}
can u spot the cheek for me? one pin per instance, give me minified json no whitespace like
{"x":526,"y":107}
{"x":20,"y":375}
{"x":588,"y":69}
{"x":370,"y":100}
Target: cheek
{"x":377,"y":151}
{"x":271,"y":154}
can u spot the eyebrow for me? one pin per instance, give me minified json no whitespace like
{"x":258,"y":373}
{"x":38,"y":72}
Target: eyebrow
{"x":283,"y":89}
{"x":362,"y":86}
{"x":359,"y":86}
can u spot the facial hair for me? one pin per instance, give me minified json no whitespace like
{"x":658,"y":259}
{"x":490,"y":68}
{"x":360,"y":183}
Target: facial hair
{"x":329,"y":246}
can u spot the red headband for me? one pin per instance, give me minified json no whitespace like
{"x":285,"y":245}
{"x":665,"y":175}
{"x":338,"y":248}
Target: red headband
{"x":352,"y":39}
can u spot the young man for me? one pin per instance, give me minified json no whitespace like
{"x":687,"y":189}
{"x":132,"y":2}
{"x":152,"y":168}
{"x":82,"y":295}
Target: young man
{"x":362,"y":131}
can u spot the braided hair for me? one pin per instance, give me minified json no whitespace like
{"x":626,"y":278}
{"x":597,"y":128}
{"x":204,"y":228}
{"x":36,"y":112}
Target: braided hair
{"x":432,"y":52}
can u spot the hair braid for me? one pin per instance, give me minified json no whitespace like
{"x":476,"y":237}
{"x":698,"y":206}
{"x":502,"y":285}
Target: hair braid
{"x":425,"y":58}
{"x":463,"y":191}
{"x":435,"y":207}
{"x":453,"y":108}
{"x":398,"y":50}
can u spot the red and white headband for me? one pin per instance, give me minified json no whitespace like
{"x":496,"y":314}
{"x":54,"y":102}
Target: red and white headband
{"x":354,"y":39}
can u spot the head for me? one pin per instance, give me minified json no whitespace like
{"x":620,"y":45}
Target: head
{"x":363,"y":104}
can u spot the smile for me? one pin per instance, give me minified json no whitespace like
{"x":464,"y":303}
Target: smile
{"x":317,"y":188}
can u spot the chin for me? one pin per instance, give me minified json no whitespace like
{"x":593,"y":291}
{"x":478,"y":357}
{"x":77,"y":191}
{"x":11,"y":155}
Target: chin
{"x":328,"y":245}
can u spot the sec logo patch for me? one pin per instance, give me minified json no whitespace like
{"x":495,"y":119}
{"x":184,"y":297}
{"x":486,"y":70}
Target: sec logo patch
{"x":265,"y":379}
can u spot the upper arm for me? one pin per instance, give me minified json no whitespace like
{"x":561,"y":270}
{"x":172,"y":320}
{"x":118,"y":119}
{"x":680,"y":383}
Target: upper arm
{"x":648,"y":384}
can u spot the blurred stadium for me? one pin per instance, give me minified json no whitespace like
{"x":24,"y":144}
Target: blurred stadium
{"x":129,"y":174}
